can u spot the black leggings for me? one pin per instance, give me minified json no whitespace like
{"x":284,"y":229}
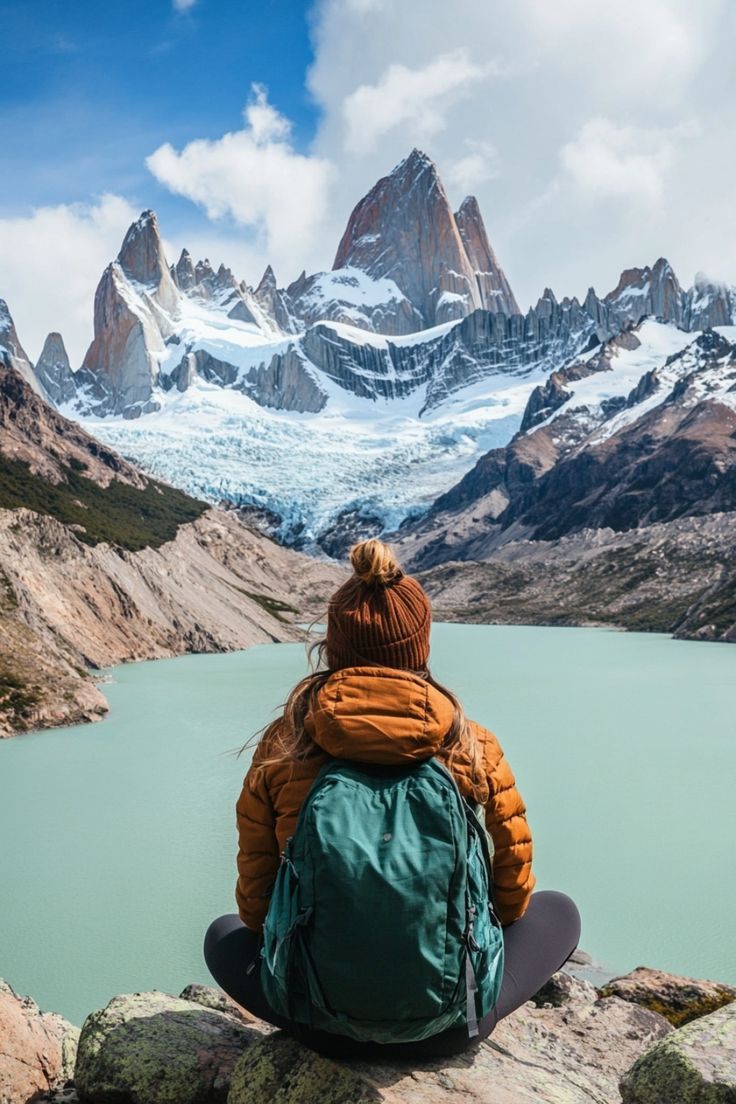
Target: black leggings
{"x":534,"y":948}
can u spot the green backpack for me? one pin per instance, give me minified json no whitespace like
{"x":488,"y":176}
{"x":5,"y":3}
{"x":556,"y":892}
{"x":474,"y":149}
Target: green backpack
{"x":381,"y":926}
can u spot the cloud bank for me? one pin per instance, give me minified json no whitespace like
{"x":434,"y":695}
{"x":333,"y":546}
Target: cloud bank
{"x":255,"y":177}
{"x":51,"y":261}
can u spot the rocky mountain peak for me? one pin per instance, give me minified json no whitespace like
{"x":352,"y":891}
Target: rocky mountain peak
{"x":495,"y":290}
{"x":142,"y":259}
{"x":141,"y":252}
{"x":404,"y":230}
{"x":12,"y":352}
{"x":54,"y":372}
{"x":655,"y":291}
{"x":183,"y":272}
{"x":268,"y":281}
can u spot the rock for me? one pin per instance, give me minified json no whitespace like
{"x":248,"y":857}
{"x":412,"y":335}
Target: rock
{"x":648,"y":291}
{"x":151,"y":1048}
{"x":580,"y":958}
{"x":53,"y":370}
{"x":574,"y":1053}
{"x":678,"y":999}
{"x":209,"y":997}
{"x":37,"y":1049}
{"x":561,"y":989}
{"x":282,"y":1071}
{"x":182,"y":273}
{"x":12,"y":353}
{"x":694,"y":1065}
{"x":142,"y":259}
{"x":275,"y":302}
{"x":404,"y":228}
{"x":495,"y":290}
{"x":135,"y":303}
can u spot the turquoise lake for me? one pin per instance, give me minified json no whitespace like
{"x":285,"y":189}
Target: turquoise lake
{"x":118,"y":839}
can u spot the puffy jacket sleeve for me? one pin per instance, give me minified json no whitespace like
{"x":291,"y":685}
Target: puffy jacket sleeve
{"x":513,"y":880}
{"x":258,"y":849}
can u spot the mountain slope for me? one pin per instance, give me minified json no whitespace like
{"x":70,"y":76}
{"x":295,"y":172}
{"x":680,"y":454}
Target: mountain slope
{"x":100,"y":564}
{"x":617,"y":503}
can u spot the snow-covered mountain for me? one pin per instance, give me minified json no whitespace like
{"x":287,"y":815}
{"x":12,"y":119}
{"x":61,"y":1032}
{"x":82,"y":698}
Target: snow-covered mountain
{"x":640,"y":430}
{"x":350,"y":400}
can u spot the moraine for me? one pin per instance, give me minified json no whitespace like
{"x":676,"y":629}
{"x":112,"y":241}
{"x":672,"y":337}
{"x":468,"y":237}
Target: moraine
{"x":124,"y":839}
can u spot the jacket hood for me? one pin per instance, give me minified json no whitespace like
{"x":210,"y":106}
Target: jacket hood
{"x":379,"y":715}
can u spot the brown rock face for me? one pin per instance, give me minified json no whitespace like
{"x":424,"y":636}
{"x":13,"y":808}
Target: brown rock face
{"x":404,"y":229}
{"x":495,"y":290}
{"x":141,"y":258}
{"x":654,"y":291}
{"x":122,"y":357}
{"x":33,"y":432}
{"x":135,"y":302}
{"x":36,"y":1048}
{"x":678,"y":999}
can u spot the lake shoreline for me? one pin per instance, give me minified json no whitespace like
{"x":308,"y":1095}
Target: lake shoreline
{"x":95,"y":678}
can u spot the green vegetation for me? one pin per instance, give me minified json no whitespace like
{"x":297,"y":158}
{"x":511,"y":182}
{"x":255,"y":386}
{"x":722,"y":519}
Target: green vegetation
{"x":18,"y":699}
{"x":678,"y":1017}
{"x":120,"y":514}
{"x":8,"y":597}
{"x":274,"y":606}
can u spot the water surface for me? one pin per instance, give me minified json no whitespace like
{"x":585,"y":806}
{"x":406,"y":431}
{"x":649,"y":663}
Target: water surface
{"x":118,"y":839}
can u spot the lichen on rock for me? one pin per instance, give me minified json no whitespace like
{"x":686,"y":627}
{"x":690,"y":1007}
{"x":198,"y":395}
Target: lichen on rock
{"x":151,"y":1048}
{"x":694,"y":1065}
{"x":282,"y":1071}
{"x":678,"y":999}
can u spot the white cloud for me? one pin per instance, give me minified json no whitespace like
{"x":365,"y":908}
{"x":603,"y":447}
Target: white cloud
{"x":254,"y":176}
{"x":581,"y":150}
{"x":419,"y":98}
{"x":51,"y":262}
{"x":479,"y":164}
{"x":606,"y":160}
{"x":183,"y":5}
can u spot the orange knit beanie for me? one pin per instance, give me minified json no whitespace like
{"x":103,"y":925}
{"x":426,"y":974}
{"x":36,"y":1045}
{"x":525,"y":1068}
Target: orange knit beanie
{"x":380,"y":616}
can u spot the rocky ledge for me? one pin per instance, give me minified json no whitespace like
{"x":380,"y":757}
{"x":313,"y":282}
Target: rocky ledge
{"x":572,"y":1044}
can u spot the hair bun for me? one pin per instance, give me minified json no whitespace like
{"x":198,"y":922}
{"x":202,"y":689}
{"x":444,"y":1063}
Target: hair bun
{"x":374,"y":563}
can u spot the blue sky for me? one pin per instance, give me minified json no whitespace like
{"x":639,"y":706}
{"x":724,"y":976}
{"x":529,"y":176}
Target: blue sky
{"x":90,"y":89}
{"x":596,"y":136}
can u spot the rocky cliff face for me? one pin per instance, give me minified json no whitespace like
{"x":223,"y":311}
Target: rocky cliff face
{"x":12,"y":353}
{"x":134,"y":302}
{"x":404,"y":230}
{"x":54,"y":372}
{"x":660,"y":450}
{"x":493,"y":287}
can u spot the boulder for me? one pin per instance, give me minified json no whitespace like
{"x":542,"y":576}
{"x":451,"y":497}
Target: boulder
{"x":694,"y":1065}
{"x":37,"y":1048}
{"x":209,"y":997}
{"x":152,"y":1048}
{"x":574,"y":1053}
{"x":678,"y":999}
{"x":281,"y":1071}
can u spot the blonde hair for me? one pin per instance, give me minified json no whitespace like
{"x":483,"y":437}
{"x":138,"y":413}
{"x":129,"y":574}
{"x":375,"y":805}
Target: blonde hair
{"x":285,"y":739}
{"x":374,"y":562}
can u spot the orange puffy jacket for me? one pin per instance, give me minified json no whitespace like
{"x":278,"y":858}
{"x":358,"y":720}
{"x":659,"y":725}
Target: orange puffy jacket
{"x":377,"y":715}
